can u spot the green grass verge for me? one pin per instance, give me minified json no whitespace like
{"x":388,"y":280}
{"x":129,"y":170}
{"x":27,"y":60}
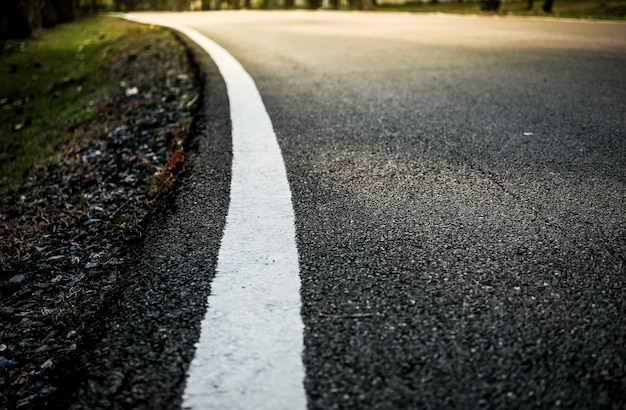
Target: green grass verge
{"x":588,"y":9}
{"x":51,"y":85}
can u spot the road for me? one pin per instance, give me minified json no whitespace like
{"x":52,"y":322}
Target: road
{"x":459,"y":188}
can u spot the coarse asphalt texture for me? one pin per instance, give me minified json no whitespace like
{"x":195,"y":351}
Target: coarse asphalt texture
{"x":459,"y":194}
{"x":459,"y":189}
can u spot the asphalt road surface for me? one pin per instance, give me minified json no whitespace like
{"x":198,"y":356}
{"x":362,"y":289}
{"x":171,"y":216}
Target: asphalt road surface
{"x":459,"y":188}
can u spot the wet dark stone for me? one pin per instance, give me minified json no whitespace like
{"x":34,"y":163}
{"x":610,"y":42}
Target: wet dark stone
{"x":22,"y":294}
{"x":5,"y":364}
{"x":14,"y":284}
{"x":56,"y":258}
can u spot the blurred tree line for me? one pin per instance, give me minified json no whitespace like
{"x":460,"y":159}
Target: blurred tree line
{"x":129,"y":5}
{"x":18,"y":18}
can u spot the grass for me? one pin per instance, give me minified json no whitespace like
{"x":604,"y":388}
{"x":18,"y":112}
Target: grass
{"x":588,"y":9}
{"x":52,"y":84}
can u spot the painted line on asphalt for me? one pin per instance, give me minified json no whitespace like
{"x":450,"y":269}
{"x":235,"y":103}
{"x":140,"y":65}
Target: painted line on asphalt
{"x":250,"y":350}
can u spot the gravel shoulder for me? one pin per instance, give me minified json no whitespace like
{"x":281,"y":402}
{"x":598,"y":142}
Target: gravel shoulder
{"x":72,"y":237}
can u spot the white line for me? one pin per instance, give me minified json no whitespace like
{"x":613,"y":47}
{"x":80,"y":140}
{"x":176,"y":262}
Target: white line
{"x":250,"y":351}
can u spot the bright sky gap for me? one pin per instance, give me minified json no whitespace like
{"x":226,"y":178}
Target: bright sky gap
{"x":250,"y":350}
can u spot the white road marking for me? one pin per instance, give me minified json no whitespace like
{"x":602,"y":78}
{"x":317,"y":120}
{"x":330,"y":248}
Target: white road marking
{"x":249,"y":355}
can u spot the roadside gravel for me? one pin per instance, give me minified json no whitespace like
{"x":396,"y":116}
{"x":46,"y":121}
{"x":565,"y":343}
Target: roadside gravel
{"x":68,"y":235}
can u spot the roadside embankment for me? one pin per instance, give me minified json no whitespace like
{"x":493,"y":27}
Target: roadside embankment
{"x":111,"y":114}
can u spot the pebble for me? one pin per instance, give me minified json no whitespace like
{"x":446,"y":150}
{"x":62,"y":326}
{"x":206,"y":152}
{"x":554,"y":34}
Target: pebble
{"x":5,"y":364}
{"x":26,"y":323}
{"x":14,"y":284}
{"x":40,"y":349}
{"x":92,"y":221}
{"x":56,"y":279}
{"x":92,"y":264}
{"x":47,"y":391}
{"x":23,"y":293}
